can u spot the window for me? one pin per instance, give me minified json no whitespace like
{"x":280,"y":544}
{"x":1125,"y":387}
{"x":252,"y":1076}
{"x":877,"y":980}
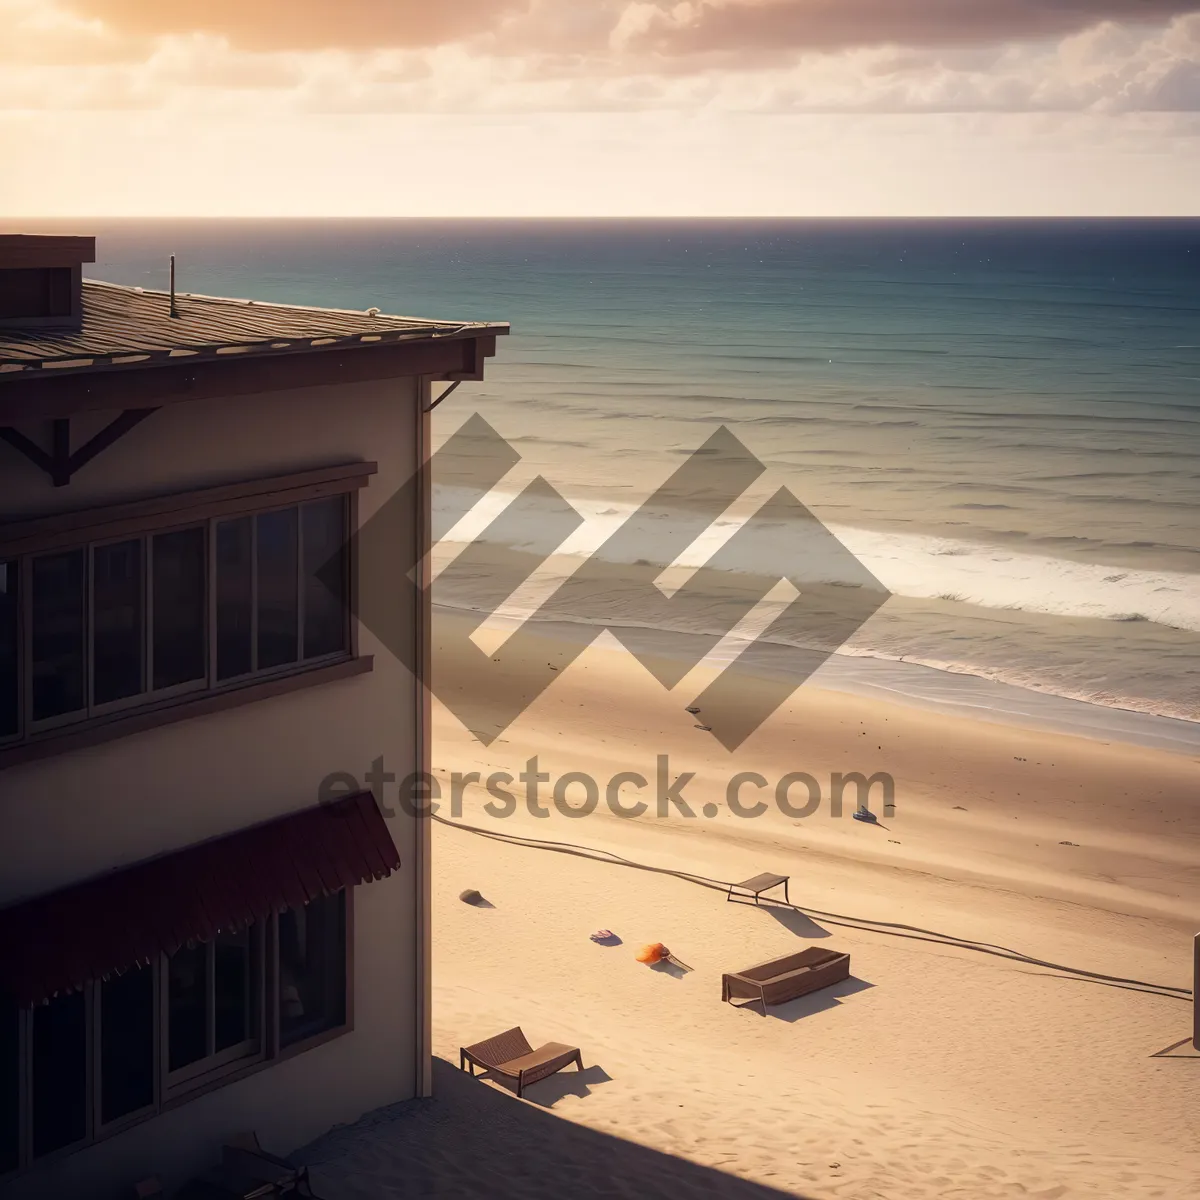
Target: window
{"x":326,"y":579}
{"x":9,"y":643}
{"x":127,"y":1049}
{"x":57,"y":627}
{"x":278,"y":599}
{"x":214,"y":1002}
{"x":36,"y":292}
{"x":10,"y":1086}
{"x":312,"y":969}
{"x":235,"y":597}
{"x":59,"y":1071}
{"x":121,"y":1048}
{"x":187,"y":1007}
{"x":117,"y":643}
{"x":179,"y":599}
{"x":118,"y":625}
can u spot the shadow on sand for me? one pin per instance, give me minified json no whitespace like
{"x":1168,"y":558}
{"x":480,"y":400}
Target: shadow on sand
{"x":472,"y":1140}
{"x":550,"y":1091}
{"x":797,"y":922}
{"x":1183,"y":1049}
{"x":813,"y":1003}
{"x":668,"y":968}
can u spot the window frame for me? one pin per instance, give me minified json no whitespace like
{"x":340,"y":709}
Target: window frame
{"x":99,"y":1127}
{"x":282,"y":1052}
{"x":220,"y":1070}
{"x":215,"y":1063}
{"x":25,"y":1098}
{"x":152,"y":695}
{"x":15,"y":578}
{"x":30,"y":727}
{"x":21,"y":543}
{"x":89,"y":690}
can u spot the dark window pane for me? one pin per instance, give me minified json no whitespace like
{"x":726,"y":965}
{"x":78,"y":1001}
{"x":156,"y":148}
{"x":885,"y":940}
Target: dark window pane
{"x":234,"y":987}
{"x":312,"y":968}
{"x":59,"y":1073}
{"x":277,"y":589}
{"x":325,"y":590}
{"x":9,"y":688}
{"x":117,"y":632}
{"x":10,"y":1083}
{"x":126,"y":1043}
{"x":57,"y":629}
{"x":36,"y":292}
{"x":187,"y":1006}
{"x":234,"y":597}
{"x":179,"y":607}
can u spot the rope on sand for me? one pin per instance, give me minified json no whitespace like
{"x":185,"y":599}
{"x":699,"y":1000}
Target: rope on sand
{"x":870,"y":925}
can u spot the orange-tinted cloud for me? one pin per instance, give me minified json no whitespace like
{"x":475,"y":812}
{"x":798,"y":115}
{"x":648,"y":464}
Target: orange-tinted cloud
{"x":733,"y":26}
{"x":667,"y":27}
{"x":304,"y":24}
{"x":605,"y":56}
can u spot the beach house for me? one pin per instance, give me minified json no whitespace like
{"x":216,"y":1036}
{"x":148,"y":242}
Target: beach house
{"x":205,"y":925}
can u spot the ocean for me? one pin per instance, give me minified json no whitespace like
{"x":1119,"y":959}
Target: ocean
{"x":1000,"y":419}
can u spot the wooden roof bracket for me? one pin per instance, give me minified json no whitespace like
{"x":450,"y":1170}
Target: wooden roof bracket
{"x":59,"y":463}
{"x":443,"y":395}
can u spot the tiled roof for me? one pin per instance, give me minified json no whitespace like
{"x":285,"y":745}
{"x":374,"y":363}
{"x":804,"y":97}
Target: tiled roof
{"x":124,"y":326}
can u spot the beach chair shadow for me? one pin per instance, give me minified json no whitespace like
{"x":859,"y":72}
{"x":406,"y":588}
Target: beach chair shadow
{"x":550,"y":1091}
{"x":817,"y":1002}
{"x":796,"y":922}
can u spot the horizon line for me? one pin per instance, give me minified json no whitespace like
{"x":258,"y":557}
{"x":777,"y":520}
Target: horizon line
{"x":7,"y":219}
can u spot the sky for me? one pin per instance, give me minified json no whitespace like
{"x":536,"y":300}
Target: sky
{"x":599,"y":107}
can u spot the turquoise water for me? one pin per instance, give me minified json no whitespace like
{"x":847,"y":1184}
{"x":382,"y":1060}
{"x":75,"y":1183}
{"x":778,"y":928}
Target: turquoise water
{"x":1002,"y":420}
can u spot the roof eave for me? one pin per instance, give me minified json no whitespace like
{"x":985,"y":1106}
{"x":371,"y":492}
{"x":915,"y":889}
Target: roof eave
{"x":38,"y":394}
{"x":72,"y":365}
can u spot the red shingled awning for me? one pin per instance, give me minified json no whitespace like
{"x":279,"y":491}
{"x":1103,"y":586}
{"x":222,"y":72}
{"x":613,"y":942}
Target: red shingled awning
{"x":56,"y":943}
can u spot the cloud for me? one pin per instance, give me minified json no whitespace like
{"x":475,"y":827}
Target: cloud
{"x":666,"y":28}
{"x":729,"y":28}
{"x":1178,"y":90}
{"x":304,"y":24}
{"x":553,"y":57}
{"x":40,"y":33}
{"x":1105,"y":69}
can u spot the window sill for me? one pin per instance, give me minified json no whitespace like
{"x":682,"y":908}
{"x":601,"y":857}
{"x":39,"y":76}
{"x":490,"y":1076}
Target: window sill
{"x":241,"y":1069}
{"x":237,"y":1072}
{"x":107,"y":729}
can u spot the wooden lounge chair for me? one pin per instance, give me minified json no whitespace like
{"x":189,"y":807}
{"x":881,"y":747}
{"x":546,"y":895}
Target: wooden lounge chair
{"x":784,"y":979}
{"x":243,"y":1158}
{"x":509,"y":1054}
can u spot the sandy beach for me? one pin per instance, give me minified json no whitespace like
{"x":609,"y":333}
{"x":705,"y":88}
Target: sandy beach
{"x":940,"y":1069}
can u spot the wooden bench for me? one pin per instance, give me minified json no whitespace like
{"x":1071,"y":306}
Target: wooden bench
{"x":786,"y":978}
{"x":759,"y":884}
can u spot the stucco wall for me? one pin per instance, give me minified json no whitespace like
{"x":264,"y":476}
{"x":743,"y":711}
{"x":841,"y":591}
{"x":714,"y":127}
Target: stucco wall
{"x":67,"y":818}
